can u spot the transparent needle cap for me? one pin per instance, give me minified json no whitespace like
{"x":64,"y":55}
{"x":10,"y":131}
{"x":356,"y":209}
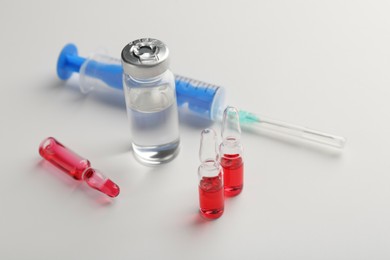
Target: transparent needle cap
{"x":252,"y":121}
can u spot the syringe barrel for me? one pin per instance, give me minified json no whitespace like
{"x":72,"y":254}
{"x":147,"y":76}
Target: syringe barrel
{"x":201,"y":98}
{"x":99,"y":71}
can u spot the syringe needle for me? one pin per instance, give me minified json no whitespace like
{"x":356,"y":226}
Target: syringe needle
{"x":250,"y":120}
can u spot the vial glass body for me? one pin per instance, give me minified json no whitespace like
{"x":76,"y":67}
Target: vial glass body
{"x":153,"y":117}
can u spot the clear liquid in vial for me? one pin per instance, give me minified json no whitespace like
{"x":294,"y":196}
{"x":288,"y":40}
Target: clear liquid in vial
{"x":155,"y":135}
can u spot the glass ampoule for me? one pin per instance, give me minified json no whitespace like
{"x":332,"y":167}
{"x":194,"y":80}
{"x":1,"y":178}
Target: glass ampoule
{"x":230,"y":152}
{"x":211,"y":192}
{"x":76,"y":166}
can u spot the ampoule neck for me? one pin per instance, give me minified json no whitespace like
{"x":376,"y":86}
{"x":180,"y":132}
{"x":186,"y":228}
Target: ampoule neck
{"x":230,"y":146}
{"x":209,"y":168}
{"x":231,"y":142}
{"x":210,"y":165}
{"x":87,"y":172}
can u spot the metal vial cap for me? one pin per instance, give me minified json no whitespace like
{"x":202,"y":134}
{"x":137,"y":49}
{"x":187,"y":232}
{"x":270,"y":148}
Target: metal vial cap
{"x":145,"y":58}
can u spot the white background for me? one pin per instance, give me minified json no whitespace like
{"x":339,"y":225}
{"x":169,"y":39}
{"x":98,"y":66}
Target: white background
{"x":323,"y":64}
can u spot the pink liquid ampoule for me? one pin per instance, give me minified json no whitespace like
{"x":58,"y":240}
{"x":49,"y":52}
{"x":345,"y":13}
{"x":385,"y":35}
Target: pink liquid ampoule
{"x":76,"y":166}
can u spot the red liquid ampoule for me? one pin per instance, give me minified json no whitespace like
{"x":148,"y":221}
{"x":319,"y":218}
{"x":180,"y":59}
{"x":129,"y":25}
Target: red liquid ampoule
{"x":211,"y":193}
{"x":76,"y":166}
{"x":233,"y":170}
{"x":230,"y":152}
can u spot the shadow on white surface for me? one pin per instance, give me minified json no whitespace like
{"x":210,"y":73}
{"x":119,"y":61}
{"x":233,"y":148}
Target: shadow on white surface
{"x":110,"y":97}
{"x":74,"y":186}
{"x":198,"y":220}
{"x":296,"y":142}
{"x":192,"y":120}
{"x":62,"y":177}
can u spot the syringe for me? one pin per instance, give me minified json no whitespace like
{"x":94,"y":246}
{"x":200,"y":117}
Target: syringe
{"x":199,"y":98}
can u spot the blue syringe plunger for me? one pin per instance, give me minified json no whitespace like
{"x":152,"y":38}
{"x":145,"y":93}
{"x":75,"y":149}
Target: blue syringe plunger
{"x":101,"y":67}
{"x":69,"y":62}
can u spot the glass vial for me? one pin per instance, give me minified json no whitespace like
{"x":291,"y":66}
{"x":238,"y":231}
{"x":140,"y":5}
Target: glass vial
{"x":211,"y":193}
{"x":230,"y":152}
{"x":149,"y":88}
